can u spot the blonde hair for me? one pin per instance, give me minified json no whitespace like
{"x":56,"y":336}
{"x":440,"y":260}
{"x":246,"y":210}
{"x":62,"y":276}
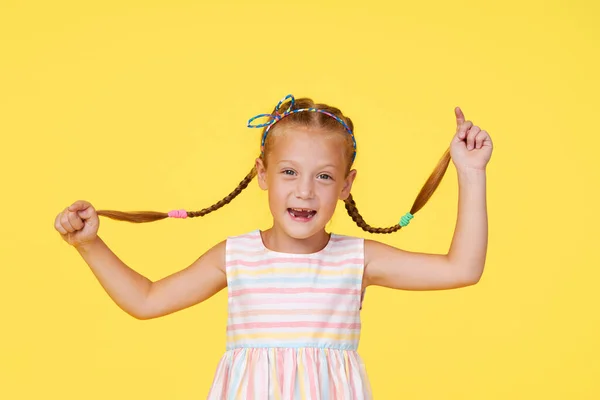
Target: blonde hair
{"x":315,"y":120}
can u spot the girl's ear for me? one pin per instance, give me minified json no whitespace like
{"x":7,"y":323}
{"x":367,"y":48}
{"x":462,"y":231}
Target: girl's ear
{"x":261,"y":174}
{"x":348,"y":185}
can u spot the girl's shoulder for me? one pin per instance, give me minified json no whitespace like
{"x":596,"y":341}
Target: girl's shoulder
{"x":341,"y":238}
{"x":248,"y":244}
{"x":251,"y":238}
{"x":345,"y":240}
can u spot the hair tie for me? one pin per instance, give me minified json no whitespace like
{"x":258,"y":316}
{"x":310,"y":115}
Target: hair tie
{"x":405,"y":220}
{"x":178,"y":214}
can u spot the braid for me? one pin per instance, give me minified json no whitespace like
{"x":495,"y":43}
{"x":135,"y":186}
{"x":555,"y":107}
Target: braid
{"x":356,"y":217}
{"x":150,"y":216}
{"x":424,"y":195}
{"x":227,"y":199}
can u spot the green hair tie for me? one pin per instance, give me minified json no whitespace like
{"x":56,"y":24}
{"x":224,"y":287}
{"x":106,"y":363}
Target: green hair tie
{"x":405,"y":220}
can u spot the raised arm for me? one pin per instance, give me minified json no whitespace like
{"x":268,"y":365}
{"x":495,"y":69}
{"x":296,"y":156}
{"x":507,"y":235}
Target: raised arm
{"x":463,"y":265}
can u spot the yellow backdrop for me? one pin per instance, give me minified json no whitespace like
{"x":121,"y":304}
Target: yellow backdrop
{"x":142,"y":105}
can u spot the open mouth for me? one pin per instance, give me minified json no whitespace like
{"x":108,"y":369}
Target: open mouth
{"x":301,"y":214}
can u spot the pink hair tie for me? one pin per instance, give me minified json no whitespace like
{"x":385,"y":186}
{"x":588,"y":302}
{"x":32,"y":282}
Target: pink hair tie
{"x":178,"y":214}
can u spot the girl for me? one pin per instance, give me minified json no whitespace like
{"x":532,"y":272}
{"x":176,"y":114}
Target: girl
{"x":295,"y":291}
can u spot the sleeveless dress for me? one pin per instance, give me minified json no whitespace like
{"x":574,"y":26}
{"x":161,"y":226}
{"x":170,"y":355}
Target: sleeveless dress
{"x":293,"y":323}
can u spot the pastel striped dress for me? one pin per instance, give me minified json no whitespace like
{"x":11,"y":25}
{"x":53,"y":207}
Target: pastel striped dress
{"x":294,"y":323}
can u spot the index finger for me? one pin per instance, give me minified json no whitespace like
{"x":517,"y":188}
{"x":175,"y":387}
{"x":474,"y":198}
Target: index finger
{"x":460,"y":117}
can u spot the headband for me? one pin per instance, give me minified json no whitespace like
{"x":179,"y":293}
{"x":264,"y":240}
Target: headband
{"x":278,"y":115}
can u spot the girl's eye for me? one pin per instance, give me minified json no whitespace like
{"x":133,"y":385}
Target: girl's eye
{"x":288,"y":172}
{"x":324,"y":176}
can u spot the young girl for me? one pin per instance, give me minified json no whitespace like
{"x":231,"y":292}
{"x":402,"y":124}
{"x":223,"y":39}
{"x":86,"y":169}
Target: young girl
{"x":295,"y":291}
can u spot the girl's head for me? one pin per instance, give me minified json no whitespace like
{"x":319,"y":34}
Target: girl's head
{"x":306,"y":165}
{"x":307,"y":152}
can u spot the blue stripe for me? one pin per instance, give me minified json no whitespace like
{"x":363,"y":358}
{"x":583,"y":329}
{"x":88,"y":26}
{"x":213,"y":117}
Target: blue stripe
{"x":236,"y":377}
{"x":324,"y":376}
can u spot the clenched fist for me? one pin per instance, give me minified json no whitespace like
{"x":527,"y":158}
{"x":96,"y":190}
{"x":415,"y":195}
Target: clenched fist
{"x":78,"y":223}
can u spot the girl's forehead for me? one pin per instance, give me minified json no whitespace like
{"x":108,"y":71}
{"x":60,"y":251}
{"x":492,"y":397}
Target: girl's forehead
{"x":307,"y":143}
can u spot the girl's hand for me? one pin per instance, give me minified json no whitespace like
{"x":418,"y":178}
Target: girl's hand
{"x":78,"y":223}
{"x":471,"y":148}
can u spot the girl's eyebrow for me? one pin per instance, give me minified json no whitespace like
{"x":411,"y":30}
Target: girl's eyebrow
{"x":294,"y":162}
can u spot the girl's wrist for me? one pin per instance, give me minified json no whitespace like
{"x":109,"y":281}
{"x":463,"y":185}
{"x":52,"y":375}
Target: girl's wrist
{"x":471,"y":175}
{"x":85,"y":247}
{"x":470,"y":171}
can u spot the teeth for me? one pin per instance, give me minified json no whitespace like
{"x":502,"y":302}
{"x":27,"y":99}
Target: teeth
{"x":293,"y":211}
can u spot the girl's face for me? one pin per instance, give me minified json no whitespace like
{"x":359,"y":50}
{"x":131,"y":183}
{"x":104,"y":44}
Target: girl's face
{"x":305,"y":177}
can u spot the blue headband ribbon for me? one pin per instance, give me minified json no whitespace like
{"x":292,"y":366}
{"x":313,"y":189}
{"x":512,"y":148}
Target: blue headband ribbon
{"x":278,"y":115}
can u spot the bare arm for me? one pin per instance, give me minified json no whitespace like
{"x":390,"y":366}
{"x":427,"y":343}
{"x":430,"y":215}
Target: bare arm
{"x":143,"y":299}
{"x":198,"y":282}
{"x":469,"y":244}
{"x":470,"y":149}
{"x":463,"y":265}
{"x":126,"y":287}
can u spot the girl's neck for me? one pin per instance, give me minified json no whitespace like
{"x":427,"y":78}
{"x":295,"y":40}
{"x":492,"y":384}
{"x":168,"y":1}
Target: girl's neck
{"x":277,"y":240}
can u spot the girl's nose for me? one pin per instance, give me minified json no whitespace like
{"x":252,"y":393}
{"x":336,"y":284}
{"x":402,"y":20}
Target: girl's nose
{"x":305,"y":189}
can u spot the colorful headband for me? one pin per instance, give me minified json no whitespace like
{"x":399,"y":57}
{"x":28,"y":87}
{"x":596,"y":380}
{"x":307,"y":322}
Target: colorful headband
{"x":273,"y":118}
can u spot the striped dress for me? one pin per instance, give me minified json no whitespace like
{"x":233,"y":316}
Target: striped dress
{"x":293,"y":323}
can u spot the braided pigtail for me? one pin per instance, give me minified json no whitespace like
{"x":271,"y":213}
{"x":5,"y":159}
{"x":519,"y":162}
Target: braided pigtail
{"x":150,"y":216}
{"x":424,"y":195}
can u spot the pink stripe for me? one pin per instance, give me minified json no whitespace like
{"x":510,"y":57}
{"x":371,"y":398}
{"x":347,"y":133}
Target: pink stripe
{"x":311,"y":375}
{"x":294,"y":370}
{"x":292,"y":312}
{"x":351,"y":375}
{"x":251,"y":252}
{"x":332,"y":373}
{"x":318,"y":363}
{"x":226,"y":380}
{"x":251,"y":372}
{"x":344,"y":301}
{"x":292,"y":260}
{"x":241,"y":292}
{"x":294,"y":324}
{"x":279,"y":360}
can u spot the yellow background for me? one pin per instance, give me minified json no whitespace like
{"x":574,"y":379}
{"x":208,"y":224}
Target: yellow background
{"x":142,"y":105}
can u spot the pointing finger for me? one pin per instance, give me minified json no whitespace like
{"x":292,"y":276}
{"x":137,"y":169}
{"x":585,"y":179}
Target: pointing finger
{"x":460,"y":117}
